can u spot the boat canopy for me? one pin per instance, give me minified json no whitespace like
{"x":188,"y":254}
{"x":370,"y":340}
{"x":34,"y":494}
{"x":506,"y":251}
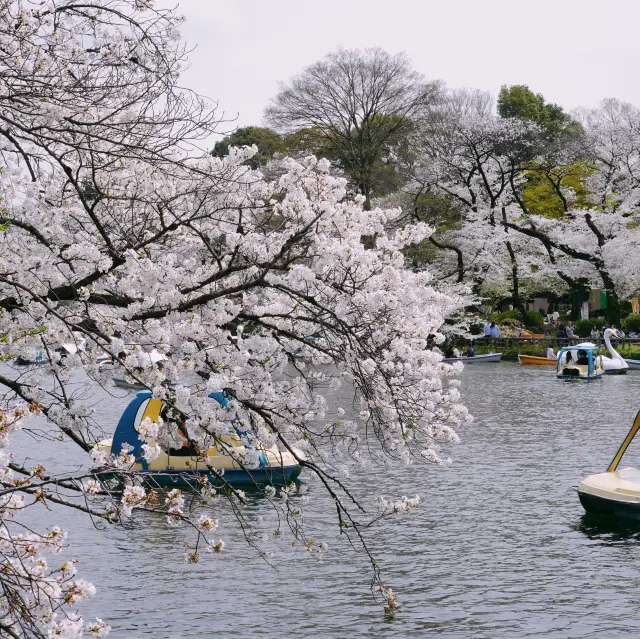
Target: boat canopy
{"x":126,"y":432}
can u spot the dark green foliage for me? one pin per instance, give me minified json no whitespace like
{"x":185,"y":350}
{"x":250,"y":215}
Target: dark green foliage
{"x":512,"y":313}
{"x":631,"y":323}
{"x":533,"y":319}
{"x":268,"y":142}
{"x":583,"y":327}
{"x":519,"y":101}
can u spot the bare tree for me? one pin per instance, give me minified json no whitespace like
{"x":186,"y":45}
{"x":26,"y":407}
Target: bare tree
{"x":355,"y":105}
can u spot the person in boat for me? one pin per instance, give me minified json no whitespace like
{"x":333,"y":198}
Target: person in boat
{"x":551,"y":354}
{"x":583,"y":359}
{"x":456,"y":352}
{"x":448,"y":350}
{"x":495,"y":330}
{"x":471,"y":352}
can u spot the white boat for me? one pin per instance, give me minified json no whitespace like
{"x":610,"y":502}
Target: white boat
{"x":634,"y":364}
{"x":615,"y":492}
{"x":154,"y":357}
{"x":613,"y":365}
{"x":121,"y":382}
{"x":489,"y":357}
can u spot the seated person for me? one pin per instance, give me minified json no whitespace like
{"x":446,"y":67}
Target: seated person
{"x":179,"y":434}
{"x":583,"y":359}
{"x":471,"y":352}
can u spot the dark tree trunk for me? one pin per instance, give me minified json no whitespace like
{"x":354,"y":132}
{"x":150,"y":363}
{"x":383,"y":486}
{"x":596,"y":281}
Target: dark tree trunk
{"x":579,"y":294}
{"x":517,"y":300}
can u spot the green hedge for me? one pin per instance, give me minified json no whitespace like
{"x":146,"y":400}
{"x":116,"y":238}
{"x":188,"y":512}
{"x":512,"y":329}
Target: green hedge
{"x":631,"y":323}
{"x":583,"y":327}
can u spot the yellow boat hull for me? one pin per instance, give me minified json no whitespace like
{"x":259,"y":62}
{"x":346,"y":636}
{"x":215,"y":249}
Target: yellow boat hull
{"x":532,"y":360}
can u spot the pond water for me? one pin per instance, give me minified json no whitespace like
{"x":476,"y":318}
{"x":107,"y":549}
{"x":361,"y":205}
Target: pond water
{"x":500,"y":546}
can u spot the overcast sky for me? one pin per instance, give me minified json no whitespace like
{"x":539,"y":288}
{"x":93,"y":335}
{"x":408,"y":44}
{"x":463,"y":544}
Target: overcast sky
{"x":575,"y":52}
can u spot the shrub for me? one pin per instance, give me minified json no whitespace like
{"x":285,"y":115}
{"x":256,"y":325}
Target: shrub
{"x":583,"y":327}
{"x":631,"y":323}
{"x":512,"y":314}
{"x":533,"y":319}
{"x":509,"y":321}
{"x":476,"y":329}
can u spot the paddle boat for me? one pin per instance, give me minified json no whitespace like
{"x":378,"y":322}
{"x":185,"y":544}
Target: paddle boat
{"x":38,"y":360}
{"x":532,"y":360}
{"x":184,"y":466}
{"x":614,"y":492}
{"x":579,"y":362}
{"x":489,"y":357}
{"x":301,"y":355}
{"x":613,"y":365}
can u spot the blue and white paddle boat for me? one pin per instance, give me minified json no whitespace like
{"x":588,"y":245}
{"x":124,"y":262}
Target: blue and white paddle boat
{"x":184,"y":466}
{"x":617,"y":491}
{"x":580,"y":362}
{"x":299,"y":354}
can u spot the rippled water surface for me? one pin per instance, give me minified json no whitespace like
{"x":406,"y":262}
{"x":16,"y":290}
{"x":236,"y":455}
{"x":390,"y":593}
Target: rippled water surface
{"x":499,"y":547}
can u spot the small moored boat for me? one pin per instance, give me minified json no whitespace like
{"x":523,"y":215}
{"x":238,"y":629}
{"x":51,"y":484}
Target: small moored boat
{"x":183,"y":466}
{"x":121,"y":382}
{"x":532,"y":360}
{"x":489,"y":357}
{"x":634,"y":364}
{"x":615,"y":492}
{"x":579,"y":362}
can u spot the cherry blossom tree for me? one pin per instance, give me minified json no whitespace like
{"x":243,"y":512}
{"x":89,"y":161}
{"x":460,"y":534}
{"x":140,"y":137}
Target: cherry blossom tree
{"x":486,"y":164}
{"x":118,"y":232}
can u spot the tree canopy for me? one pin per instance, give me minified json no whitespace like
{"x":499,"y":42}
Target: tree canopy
{"x":356,"y":106}
{"x":266,"y":140}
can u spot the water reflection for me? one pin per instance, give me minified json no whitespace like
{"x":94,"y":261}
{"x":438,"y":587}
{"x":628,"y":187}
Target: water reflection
{"x":608,"y":530}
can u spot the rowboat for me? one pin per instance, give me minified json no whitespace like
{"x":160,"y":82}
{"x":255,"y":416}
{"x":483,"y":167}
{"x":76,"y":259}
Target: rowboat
{"x":634,"y":364}
{"x":531,"y":360}
{"x":489,"y":357}
{"x":222,"y":462}
{"x":615,"y":492}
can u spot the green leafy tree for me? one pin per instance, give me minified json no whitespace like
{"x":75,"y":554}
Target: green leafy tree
{"x":356,"y":108}
{"x":268,"y":142}
{"x":519,"y":101}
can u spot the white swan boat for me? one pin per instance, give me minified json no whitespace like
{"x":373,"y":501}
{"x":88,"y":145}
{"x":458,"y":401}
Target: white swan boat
{"x":614,"y":365}
{"x":489,"y":357}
